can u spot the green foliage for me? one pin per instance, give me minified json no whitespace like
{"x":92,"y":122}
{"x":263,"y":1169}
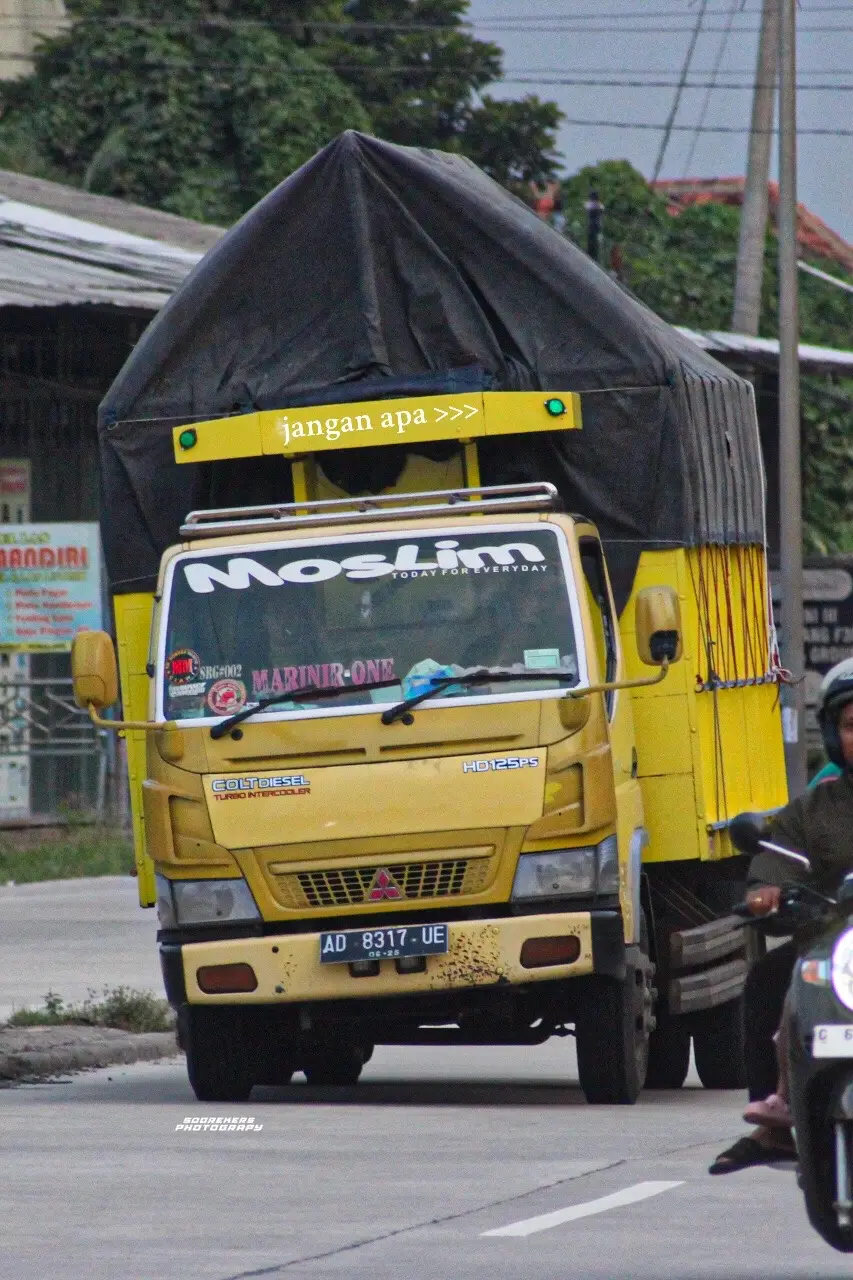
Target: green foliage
{"x":196,"y":117}
{"x":684,"y":268}
{"x":84,"y":851}
{"x":118,"y":1007}
{"x":202,"y":106}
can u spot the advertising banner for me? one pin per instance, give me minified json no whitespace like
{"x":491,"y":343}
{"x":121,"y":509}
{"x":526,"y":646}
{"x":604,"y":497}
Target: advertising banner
{"x":50,"y":585}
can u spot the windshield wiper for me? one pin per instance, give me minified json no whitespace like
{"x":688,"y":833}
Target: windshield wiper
{"x":476,"y":675}
{"x":297,"y":695}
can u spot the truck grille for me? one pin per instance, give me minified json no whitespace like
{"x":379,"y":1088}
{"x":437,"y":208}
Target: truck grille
{"x":351,"y":886}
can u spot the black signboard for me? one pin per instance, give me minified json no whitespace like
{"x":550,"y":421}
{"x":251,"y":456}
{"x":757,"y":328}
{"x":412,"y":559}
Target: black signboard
{"x":827,"y":620}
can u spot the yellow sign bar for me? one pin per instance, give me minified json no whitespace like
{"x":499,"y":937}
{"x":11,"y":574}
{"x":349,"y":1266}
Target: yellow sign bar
{"x":318,"y":428}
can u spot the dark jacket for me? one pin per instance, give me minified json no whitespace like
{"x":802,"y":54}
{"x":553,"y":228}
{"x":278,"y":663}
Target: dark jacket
{"x":819,"y":824}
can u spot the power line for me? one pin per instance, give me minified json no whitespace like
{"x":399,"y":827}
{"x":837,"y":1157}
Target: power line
{"x":525,"y":25}
{"x":685,"y":71}
{"x":536,"y":77}
{"x":710,"y":87}
{"x":707,"y":128}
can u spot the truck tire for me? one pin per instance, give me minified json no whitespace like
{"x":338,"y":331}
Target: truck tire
{"x":217,"y":1061}
{"x":612,"y":1031}
{"x":669,"y":1054}
{"x":718,"y":1046}
{"x":335,"y":1065}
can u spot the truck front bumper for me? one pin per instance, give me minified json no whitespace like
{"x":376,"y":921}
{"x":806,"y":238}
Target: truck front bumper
{"x":482,"y":953}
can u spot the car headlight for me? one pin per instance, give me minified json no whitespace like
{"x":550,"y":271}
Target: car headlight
{"x":182,"y":902}
{"x":842,"y":969}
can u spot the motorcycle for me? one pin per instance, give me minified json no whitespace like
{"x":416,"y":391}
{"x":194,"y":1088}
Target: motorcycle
{"x":821,"y":1037}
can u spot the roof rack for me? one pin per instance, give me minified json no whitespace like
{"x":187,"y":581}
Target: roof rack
{"x":385,"y":506}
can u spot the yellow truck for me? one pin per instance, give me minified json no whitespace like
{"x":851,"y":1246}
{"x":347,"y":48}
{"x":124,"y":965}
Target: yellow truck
{"x":437,"y":743}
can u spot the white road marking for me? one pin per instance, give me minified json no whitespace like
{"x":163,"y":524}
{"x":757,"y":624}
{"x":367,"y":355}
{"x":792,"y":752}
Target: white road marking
{"x":640,"y":1191}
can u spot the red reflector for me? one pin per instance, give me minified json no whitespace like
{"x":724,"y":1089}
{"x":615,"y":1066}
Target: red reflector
{"x":536,"y":953}
{"x":217,"y":979}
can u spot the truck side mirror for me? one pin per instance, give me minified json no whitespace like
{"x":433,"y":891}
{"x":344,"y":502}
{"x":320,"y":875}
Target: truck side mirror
{"x":93,"y":670}
{"x":658,"y":626}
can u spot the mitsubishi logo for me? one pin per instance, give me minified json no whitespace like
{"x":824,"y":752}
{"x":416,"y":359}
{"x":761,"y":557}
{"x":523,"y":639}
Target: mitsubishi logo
{"x":383,"y":886}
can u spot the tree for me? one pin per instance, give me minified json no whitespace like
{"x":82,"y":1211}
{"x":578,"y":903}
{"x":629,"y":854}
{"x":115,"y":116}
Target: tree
{"x":198,"y":116}
{"x":420,"y":74}
{"x":684,"y":268}
{"x":201,"y":106}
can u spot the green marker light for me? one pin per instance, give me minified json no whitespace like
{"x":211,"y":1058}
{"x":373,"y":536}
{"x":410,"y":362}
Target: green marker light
{"x":187,"y":439}
{"x":555,"y":407}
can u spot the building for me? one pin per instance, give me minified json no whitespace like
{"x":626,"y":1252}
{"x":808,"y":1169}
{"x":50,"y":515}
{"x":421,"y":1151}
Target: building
{"x":21,"y":24}
{"x":814,"y":236}
{"x":80,"y":277}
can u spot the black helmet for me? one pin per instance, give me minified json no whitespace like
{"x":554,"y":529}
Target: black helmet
{"x":836,"y":690}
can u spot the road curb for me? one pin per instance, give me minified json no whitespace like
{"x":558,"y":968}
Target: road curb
{"x":50,"y":1051}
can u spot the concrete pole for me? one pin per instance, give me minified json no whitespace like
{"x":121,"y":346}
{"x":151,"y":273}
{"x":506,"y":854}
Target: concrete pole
{"x":790,"y":482}
{"x":746,"y":313}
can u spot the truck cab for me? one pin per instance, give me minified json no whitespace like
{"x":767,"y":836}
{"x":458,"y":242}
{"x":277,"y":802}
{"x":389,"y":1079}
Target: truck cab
{"x":393,"y":797}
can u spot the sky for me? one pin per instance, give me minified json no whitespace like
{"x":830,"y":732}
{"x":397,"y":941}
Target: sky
{"x":647,"y":41}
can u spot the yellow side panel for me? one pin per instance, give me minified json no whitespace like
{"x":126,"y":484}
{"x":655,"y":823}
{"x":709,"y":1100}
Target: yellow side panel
{"x":706,"y":754}
{"x":670,"y":807}
{"x":133,"y":631}
{"x":663,"y":727}
{"x":741,"y":746}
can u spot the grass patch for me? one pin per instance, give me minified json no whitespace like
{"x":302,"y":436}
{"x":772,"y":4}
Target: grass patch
{"x":81,"y":851}
{"x":119,"y":1007}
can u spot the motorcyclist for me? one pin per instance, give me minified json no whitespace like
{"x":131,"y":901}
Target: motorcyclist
{"x":818,"y":823}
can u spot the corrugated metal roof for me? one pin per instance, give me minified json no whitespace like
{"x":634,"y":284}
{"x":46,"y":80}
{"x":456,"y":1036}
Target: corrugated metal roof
{"x":108,"y":211}
{"x":48,"y":259}
{"x":766,"y":350}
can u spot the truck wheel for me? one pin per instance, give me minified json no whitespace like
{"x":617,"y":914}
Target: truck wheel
{"x":669,"y":1054}
{"x":341,"y":1065}
{"x":718,"y":1046}
{"x":217,"y":1061}
{"x":612,"y":1032}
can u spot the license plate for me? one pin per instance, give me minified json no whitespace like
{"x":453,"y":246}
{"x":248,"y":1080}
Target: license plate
{"x":833,"y":1042}
{"x":387,"y":943}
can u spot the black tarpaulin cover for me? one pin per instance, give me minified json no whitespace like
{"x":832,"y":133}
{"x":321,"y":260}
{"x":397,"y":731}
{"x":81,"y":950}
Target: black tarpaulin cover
{"x":377,"y":269}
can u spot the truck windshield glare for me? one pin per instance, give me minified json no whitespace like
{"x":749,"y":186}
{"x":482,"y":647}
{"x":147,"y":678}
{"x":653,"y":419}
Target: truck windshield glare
{"x":245,"y":626}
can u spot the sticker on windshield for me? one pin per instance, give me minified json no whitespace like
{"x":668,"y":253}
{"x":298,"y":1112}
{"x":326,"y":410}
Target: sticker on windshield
{"x":233,"y":670}
{"x":187,"y":690}
{"x":182,"y":666}
{"x":325,"y":675}
{"x":540,"y":658}
{"x":445,"y":557}
{"x":226,"y":697}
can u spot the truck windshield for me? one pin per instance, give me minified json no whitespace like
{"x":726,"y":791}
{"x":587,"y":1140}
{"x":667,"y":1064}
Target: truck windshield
{"x":244,"y":624}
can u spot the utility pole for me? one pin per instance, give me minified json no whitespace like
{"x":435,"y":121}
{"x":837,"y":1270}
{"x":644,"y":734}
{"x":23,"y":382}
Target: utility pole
{"x":790,"y":475}
{"x":746,"y":314}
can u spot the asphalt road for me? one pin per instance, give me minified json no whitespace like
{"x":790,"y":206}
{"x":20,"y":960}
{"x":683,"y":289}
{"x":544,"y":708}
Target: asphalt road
{"x":69,"y":936}
{"x":440,"y":1165}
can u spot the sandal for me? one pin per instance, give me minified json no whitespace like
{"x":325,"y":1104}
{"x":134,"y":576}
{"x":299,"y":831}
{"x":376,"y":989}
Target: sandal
{"x":747,"y":1152}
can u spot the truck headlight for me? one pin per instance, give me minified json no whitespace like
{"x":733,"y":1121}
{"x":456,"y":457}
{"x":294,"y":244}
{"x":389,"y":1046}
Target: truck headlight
{"x":842,"y":969}
{"x":567,"y":873}
{"x":203,"y":902}
{"x":607,"y":856}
